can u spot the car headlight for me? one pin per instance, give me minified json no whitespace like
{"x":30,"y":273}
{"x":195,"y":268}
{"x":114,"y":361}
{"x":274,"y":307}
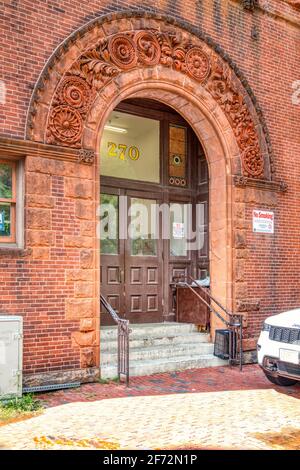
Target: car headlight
{"x":266,"y":327}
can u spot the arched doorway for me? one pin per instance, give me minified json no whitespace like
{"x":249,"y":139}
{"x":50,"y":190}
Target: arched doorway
{"x":127,"y":57}
{"x":154,"y":185}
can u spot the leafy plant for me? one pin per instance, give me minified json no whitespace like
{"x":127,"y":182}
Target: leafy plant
{"x":15,"y":409}
{"x":25,"y":403}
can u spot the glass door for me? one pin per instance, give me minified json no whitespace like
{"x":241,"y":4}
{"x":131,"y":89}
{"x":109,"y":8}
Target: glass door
{"x":143,"y":260}
{"x":111,"y":253}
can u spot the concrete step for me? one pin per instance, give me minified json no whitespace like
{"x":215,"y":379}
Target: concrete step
{"x":150,"y":330}
{"x":111,"y":345}
{"x":161,"y":351}
{"x":138,"y":368}
{"x":157,"y":348}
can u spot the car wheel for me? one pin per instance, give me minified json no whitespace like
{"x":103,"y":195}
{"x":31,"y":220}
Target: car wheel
{"x":283,"y":381}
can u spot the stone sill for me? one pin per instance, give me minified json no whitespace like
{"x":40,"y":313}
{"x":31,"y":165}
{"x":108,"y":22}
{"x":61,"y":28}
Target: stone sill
{"x":13,"y":251}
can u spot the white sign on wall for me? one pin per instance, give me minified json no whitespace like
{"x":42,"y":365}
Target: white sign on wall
{"x":263,"y":221}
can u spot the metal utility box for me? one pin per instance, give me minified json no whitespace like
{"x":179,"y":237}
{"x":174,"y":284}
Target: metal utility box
{"x":11,"y":348}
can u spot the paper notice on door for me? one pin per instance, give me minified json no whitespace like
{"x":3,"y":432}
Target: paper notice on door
{"x":178,"y":230}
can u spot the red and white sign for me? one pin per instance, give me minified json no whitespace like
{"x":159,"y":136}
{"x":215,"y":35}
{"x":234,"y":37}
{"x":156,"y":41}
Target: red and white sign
{"x":263,"y":221}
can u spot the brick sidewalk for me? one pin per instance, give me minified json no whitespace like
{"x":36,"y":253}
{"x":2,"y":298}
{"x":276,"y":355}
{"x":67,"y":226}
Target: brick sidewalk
{"x":203,"y":408}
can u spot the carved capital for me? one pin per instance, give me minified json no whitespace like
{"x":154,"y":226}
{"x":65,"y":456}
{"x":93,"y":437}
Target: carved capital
{"x":243,"y":182}
{"x":250,"y":5}
{"x":86,"y":156}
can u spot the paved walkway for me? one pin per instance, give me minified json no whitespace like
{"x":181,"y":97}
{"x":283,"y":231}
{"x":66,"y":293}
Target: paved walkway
{"x":205,"y":408}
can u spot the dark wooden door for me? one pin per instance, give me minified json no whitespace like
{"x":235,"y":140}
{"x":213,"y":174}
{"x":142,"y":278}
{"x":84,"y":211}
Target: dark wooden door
{"x":143,"y":260}
{"x":112,"y":254}
{"x":131,"y":267}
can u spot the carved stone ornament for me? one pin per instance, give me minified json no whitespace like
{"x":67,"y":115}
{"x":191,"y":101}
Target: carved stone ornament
{"x":197,"y":63}
{"x":294,"y":3}
{"x":250,"y":4}
{"x":65,"y":124}
{"x":86,"y":156}
{"x":121,"y":52}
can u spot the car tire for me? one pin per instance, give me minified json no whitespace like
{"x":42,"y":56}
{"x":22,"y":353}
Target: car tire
{"x":283,"y":381}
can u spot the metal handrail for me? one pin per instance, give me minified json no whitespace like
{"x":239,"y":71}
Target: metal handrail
{"x":123,"y":340}
{"x":235,"y":323}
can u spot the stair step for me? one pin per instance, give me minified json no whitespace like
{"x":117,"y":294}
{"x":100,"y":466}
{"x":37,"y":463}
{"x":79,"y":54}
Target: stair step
{"x":111,"y":345}
{"x":139,"y":368}
{"x":150,"y":330}
{"x":157,"y":348}
{"x":161,"y":351}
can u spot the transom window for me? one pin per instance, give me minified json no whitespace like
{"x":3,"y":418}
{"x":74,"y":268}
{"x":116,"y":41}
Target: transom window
{"x":130,"y":148}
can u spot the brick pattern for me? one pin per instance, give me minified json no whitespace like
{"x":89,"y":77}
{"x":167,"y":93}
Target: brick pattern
{"x":185,"y":410}
{"x":52,"y":282}
{"x":52,"y":285}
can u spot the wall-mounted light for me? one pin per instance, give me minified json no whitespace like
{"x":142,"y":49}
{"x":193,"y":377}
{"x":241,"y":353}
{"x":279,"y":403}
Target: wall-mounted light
{"x":119,"y":130}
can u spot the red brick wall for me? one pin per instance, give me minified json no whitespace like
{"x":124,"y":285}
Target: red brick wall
{"x":266,"y":267}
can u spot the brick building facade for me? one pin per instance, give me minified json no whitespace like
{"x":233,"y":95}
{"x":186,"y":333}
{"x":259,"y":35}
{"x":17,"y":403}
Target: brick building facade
{"x":244,"y":108}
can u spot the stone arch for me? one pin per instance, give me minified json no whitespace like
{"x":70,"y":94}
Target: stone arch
{"x":129,"y":55}
{"x":107,"y":49}
{"x":221,"y":150}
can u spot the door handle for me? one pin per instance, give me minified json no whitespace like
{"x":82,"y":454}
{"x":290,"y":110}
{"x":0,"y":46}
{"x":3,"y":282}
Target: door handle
{"x":121,"y":276}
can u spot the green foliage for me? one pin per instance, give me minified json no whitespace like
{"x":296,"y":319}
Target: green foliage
{"x":15,"y":409}
{"x":103,"y":381}
{"x":5,"y":181}
{"x":108,"y":381}
{"x":26,"y":403}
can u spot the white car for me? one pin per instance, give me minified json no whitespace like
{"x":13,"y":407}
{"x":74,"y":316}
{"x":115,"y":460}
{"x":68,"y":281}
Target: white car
{"x":278,"y":348}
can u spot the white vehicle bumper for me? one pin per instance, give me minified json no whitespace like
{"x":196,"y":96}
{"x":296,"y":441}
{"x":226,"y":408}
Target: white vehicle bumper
{"x":268,"y":356}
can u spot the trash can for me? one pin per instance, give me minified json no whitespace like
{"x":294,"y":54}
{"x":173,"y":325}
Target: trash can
{"x":221,"y":348}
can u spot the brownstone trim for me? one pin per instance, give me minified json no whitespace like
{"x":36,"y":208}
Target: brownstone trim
{"x":16,"y":148}
{"x":243,"y":182}
{"x":39,"y":108}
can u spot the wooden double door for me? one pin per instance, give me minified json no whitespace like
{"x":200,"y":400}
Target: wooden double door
{"x":131,"y":255}
{"x":164,"y":163}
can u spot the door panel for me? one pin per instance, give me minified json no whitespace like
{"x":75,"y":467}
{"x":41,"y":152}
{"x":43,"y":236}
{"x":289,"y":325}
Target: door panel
{"x":143,"y":267}
{"x":111,"y":256}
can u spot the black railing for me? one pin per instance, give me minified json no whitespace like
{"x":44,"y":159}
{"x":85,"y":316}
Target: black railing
{"x":234,"y":322}
{"x":123,"y":340}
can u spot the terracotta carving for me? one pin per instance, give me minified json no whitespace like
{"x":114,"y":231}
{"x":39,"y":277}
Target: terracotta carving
{"x":124,"y":51}
{"x":148,"y":48}
{"x":65,"y":124}
{"x":75,"y":92}
{"x":250,"y":4}
{"x":294,"y":3}
{"x":197,"y":63}
{"x":86,"y":156}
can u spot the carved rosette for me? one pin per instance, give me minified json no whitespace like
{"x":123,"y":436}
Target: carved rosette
{"x":65,"y":124}
{"x":147,"y":48}
{"x":75,"y":92}
{"x":70,"y":105}
{"x":122,"y":51}
{"x":197,"y":63}
{"x":252,"y":161}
